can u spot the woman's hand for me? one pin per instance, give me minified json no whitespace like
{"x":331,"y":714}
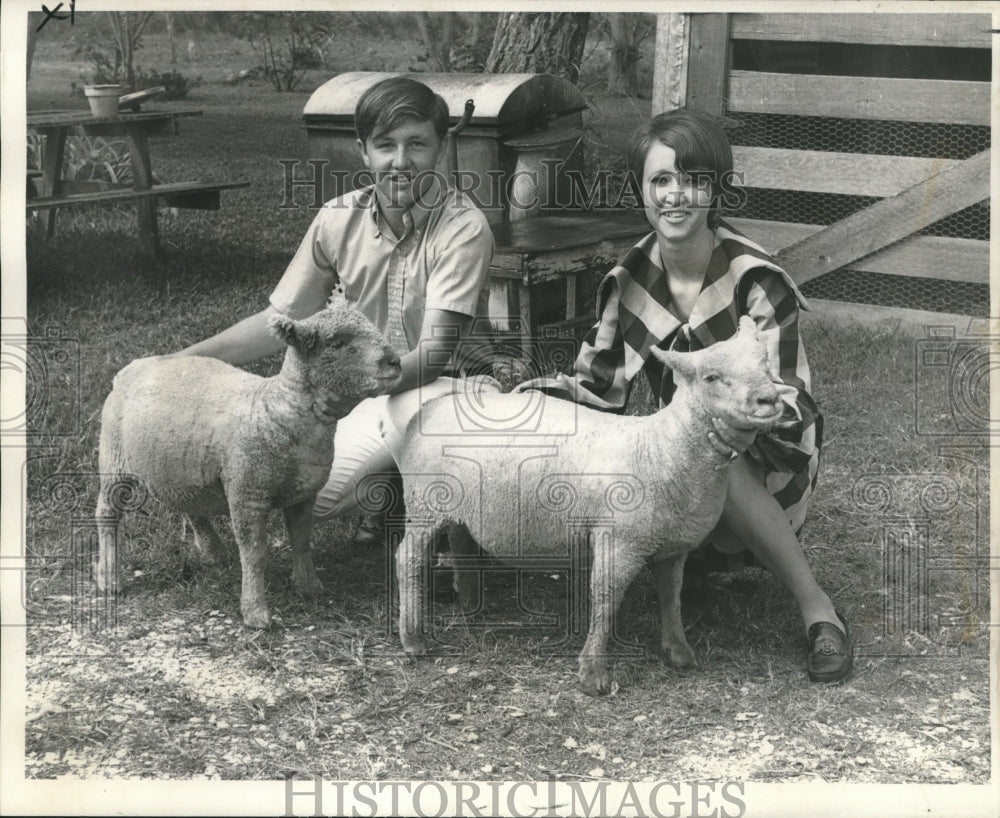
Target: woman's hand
{"x":331,"y":407}
{"x":730,"y":441}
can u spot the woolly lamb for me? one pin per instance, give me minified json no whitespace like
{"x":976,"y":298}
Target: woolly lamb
{"x":636,"y":489}
{"x":207,"y":438}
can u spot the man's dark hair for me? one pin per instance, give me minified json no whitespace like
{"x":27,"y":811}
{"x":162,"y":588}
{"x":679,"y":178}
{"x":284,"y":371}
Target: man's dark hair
{"x":391,"y":102}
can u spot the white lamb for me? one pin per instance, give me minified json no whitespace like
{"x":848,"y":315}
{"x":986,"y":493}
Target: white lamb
{"x":207,"y":438}
{"x":523,"y":476}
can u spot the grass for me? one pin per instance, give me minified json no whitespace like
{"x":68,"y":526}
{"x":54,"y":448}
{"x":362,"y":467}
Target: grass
{"x":179,"y":689}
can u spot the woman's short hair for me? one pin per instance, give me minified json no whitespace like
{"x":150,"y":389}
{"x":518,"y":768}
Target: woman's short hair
{"x":699,"y":142}
{"x":391,"y":102}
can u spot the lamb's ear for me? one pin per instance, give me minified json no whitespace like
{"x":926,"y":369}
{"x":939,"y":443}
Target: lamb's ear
{"x":679,"y":362}
{"x":294,"y":333}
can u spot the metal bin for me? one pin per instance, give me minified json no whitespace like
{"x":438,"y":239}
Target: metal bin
{"x":519,"y":121}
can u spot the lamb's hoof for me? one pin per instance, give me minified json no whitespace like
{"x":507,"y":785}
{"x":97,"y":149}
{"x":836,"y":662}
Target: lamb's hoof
{"x":257,"y":618}
{"x":595,"y":681}
{"x":414,"y":645}
{"x":309,"y":585}
{"x":679,"y":656}
{"x":676,"y":654}
{"x":109,"y":586}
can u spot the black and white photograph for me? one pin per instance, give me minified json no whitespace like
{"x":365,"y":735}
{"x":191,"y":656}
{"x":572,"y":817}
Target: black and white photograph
{"x":450,"y":409}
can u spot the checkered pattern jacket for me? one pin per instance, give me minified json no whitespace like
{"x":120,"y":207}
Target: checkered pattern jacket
{"x":633,"y":310}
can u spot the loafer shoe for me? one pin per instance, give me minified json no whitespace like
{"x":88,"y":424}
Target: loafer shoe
{"x":830,"y":656}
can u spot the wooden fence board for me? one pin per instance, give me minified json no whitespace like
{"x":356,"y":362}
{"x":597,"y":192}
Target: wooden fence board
{"x":902,"y":320}
{"x":905,"y":100}
{"x":670,"y":61}
{"x":951,"y":29}
{"x":708,"y":63}
{"x":890,"y":220}
{"x":857,"y":174}
{"x":938,"y":257}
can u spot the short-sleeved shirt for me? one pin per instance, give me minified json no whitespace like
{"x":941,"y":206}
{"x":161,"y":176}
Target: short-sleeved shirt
{"x":349,"y":251}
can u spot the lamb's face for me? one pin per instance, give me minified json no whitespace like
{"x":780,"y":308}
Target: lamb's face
{"x":730,"y":379}
{"x":342,"y":352}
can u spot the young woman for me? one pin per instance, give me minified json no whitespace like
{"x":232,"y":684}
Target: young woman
{"x":684,"y":287}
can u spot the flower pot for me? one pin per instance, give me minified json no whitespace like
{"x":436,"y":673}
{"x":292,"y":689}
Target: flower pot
{"x":103,"y":99}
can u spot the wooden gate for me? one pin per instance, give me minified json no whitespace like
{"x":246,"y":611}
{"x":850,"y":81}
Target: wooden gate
{"x":694,"y":55}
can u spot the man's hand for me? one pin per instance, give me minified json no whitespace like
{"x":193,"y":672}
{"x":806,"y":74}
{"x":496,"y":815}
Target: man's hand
{"x":730,"y":441}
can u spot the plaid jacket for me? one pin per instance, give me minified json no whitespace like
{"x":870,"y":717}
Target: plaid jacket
{"x":742,"y":279}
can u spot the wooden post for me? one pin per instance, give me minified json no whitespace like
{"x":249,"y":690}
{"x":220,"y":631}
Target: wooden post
{"x":142,"y":179}
{"x":670,"y":62}
{"x":691,"y":63}
{"x":708,"y":63}
{"x":571,"y":297}
{"x":524,"y":313}
{"x":53,"y":151}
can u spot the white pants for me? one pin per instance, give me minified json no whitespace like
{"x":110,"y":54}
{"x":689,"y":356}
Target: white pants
{"x":366,"y":440}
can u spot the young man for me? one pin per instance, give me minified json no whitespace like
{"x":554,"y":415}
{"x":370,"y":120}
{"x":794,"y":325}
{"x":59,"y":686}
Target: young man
{"x":412,"y":255}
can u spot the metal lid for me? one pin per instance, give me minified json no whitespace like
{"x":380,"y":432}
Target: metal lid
{"x":508,"y":102}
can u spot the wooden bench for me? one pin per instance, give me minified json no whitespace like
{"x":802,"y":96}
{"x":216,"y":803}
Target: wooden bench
{"x":193,"y":195}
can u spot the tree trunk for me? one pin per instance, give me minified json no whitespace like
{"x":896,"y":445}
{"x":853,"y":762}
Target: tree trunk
{"x":438,"y":33}
{"x":474,"y":28}
{"x":170,"y":39}
{"x":627,"y":34}
{"x":127,"y":28}
{"x":539,"y":43}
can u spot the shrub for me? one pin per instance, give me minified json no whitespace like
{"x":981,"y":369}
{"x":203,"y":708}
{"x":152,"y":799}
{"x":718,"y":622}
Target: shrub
{"x":178,"y":86}
{"x":287,"y":43}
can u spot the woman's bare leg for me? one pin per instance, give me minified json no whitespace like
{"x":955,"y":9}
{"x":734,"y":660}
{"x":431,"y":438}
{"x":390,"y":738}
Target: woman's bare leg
{"x":764,"y":530}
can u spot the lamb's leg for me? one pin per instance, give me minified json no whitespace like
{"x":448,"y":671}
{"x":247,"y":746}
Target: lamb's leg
{"x":298,"y":523}
{"x":249,"y":525}
{"x":669,"y":576}
{"x":208,"y":543}
{"x":467,"y":583}
{"x":610,"y":575}
{"x":107,"y":515}
{"x":412,"y":574}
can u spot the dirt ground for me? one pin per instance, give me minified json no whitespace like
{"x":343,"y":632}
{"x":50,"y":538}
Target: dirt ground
{"x":176,"y":689}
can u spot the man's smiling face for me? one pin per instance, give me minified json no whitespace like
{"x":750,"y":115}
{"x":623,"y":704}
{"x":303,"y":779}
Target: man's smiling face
{"x":401,"y":159}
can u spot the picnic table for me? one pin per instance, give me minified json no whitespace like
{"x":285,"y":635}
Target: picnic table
{"x":50,"y":191}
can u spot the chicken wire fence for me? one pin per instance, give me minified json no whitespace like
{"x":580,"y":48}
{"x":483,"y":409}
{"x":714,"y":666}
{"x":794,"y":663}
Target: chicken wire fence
{"x":911,"y":139}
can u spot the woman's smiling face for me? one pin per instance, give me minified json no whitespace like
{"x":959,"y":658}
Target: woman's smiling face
{"x":677,"y":204}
